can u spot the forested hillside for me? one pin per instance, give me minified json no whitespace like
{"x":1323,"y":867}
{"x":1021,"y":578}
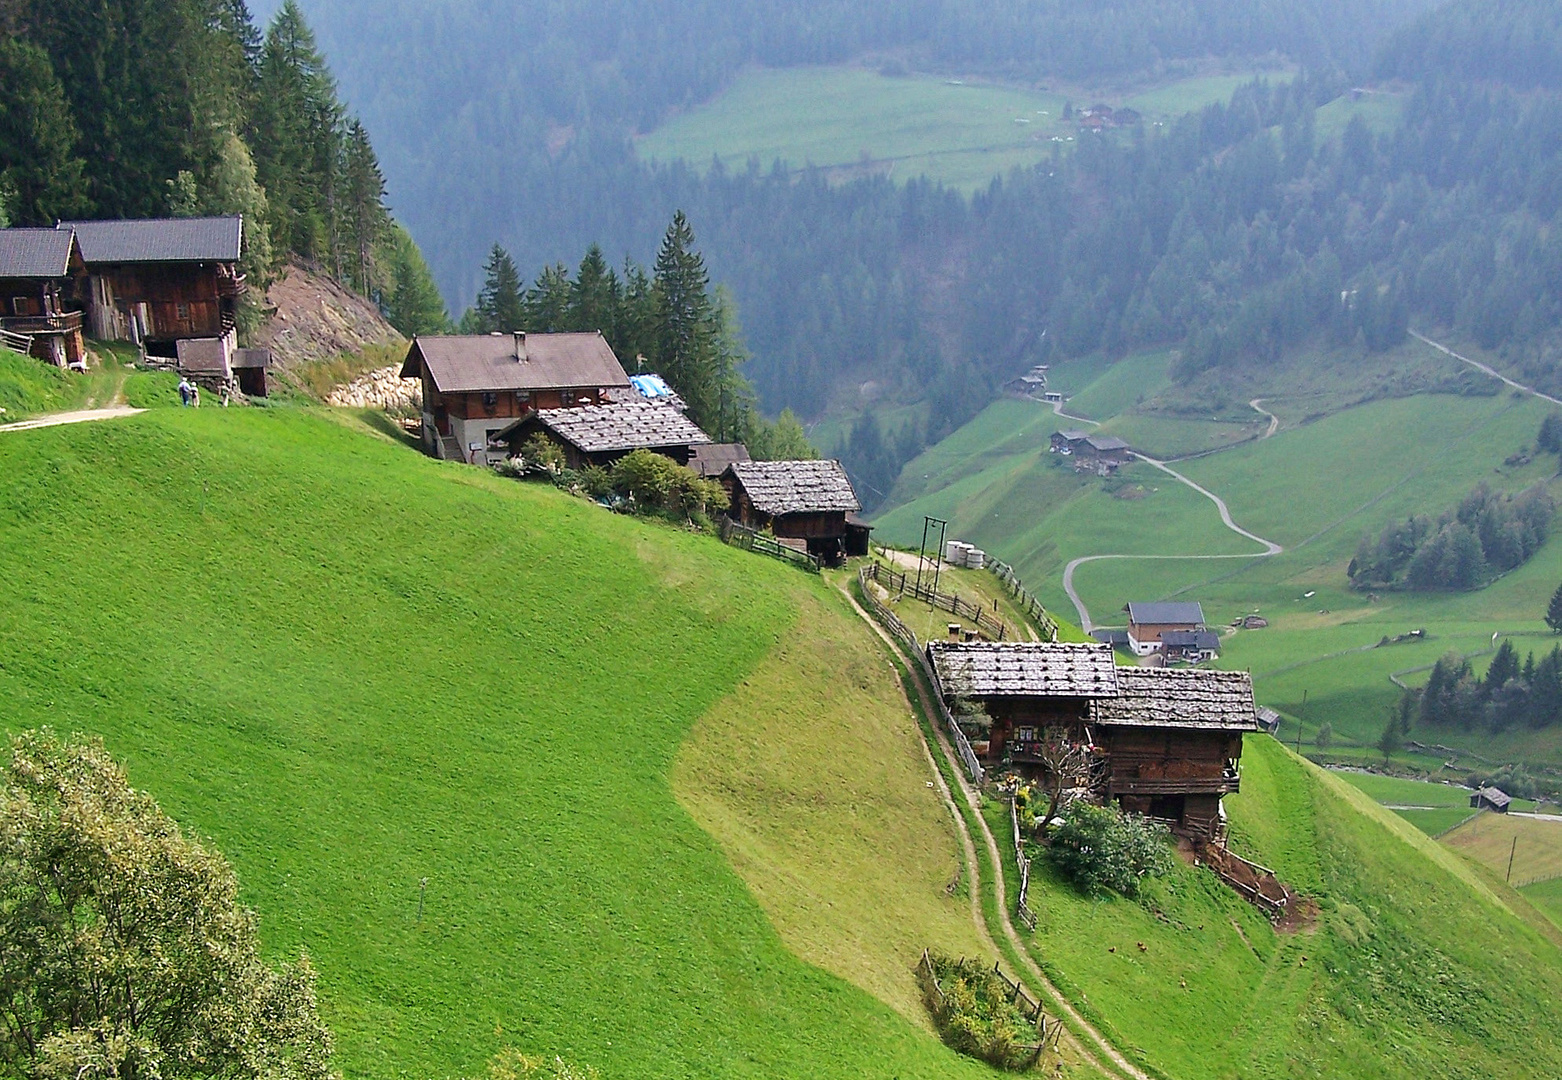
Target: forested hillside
{"x":1297,"y":210}
{"x":136,"y":108}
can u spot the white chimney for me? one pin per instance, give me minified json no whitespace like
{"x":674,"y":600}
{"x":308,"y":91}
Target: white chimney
{"x":520,"y":346}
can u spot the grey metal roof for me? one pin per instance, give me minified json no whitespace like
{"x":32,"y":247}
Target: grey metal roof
{"x":212,"y":239}
{"x":1179,"y":698}
{"x":1025,"y":669}
{"x":628,"y":425}
{"x":1164,"y":614}
{"x":796,"y":487}
{"x":465,"y":363}
{"x":1074,"y":436}
{"x":1197,"y":639}
{"x":712,"y":459}
{"x":35,"y":253}
{"x":1106,"y":442}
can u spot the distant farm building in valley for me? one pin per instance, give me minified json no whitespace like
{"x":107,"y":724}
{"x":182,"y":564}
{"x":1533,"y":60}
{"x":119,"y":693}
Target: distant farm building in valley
{"x":1032,"y":384}
{"x":1168,"y":741}
{"x":1147,"y":623}
{"x":601,"y":434}
{"x":1092,"y":452}
{"x":812,"y":501}
{"x":39,"y":274}
{"x":477,"y":385}
{"x":1490,"y":798}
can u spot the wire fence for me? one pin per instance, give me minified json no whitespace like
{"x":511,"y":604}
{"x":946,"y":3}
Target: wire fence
{"x":1024,"y":597}
{"x":908,"y":637}
{"x":903,"y":584}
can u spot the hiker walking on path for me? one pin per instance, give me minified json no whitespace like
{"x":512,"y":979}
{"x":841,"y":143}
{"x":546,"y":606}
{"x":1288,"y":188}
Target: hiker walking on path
{"x":195,"y":395}
{"x":185,"y":389}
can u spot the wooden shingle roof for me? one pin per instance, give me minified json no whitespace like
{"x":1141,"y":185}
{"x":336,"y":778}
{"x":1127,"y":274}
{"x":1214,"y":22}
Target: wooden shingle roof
{"x":796,"y":487}
{"x":713,"y":459}
{"x":628,"y":425}
{"x":1025,"y":669}
{"x":469,"y":363}
{"x":1179,"y":698}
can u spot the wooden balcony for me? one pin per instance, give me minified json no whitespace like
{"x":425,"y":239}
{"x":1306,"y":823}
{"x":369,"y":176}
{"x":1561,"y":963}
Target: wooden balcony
{"x":1227,"y":783}
{"x":65,"y":323}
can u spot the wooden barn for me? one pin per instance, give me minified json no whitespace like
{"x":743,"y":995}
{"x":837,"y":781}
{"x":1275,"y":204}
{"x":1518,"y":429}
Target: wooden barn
{"x":161,"y":281}
{"x":1148,"y":623}
{"x":601,"y":434}
{"x":811,"y":501}
{"x":1490,"y":798}
{"x":1169,"y":740}
{"x":476,"y":386}
{"x":40,"y":270}
{"x":1190,"y":646}
{"x":1098,"y":453}
{"x":711,"y":460}
{"x":1173,"y":739}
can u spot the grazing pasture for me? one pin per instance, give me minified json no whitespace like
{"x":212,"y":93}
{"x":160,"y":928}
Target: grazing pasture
{"x":357,"y":670}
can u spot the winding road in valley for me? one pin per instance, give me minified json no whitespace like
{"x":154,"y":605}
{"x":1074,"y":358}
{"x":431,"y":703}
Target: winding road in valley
{"x":1270,"y":547}
{"x":1493,"y":372}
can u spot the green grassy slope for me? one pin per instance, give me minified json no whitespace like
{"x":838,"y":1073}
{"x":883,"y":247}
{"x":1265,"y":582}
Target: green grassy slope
{"x":1412,"y":970}
{"x":859,"y":121}
{"x":354,"y":668}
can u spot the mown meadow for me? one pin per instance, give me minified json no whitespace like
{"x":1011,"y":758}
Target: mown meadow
{"x":357,"y":670}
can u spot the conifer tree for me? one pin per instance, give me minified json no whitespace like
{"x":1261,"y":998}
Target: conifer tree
{"x":1554,"y":611}
{"x":683,"y":309}
{"x":547,"y":303}
{"x":413,"y":305}
{"x":365,"y":218}
{"x":594,"y":295}
{"x":39,"y":169}
{"x":499,"y":306}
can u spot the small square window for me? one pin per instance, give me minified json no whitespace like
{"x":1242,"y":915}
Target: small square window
{"x":490,"y":399}
{"x":183,"y":310}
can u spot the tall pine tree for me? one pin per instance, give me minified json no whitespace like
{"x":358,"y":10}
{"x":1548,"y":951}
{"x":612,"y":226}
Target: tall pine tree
{"x":683,"y":316}
{"x":499,"y":305}
{"x":41,"y":177}
{"x":1554,"y":611}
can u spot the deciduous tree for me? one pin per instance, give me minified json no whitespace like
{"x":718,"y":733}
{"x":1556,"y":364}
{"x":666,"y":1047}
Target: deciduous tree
{"x":124,"y":951}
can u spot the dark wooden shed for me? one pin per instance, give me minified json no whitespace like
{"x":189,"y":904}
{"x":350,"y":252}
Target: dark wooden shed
{"x":1489,"y":798}
{"x":812,"y":501}
{"x":40,"y":275}
{"x":160,"y":281}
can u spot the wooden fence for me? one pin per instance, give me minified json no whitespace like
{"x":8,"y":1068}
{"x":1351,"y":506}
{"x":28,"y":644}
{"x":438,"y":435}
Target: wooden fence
{"x":1047,"y":1031}
{"x":1022,"y":596}
{"x":908,"y":637}
{"x":1021,"y":908}
{"x":1255,"y":883}
{"x":903,"y":584}
{"x":20,"y":343}
{"x":744,"y":537}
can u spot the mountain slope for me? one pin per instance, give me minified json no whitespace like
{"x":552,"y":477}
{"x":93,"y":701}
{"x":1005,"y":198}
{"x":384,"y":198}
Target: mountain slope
{"x":356,"y":669}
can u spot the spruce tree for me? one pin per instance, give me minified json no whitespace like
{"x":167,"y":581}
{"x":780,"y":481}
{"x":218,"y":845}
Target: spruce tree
{"x":365,"y":219}
{"x":499,"y":304}
{"x":547,"y":302}
{"x":1554,"y":611}
{"x":594,"y":295}
{"x":1390,"y":742}
{"x":683,"y":345}
{"x":41,"y":175}
{"x":414,"y":305}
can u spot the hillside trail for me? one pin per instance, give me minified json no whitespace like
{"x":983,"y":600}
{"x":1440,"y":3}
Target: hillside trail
{"x":1257,"y":405}
{"x":1105,"y":1057}
{"x":76,"y":416}
{"x":1493,"y":372}
{"x":1270,"y":547}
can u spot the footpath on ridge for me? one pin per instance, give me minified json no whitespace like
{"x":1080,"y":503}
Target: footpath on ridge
{"x":1094,"y":1047}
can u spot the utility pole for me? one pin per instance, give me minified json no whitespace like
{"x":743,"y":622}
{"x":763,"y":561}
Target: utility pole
{"x":1511,"y":852}
{"x":1299,"y":713}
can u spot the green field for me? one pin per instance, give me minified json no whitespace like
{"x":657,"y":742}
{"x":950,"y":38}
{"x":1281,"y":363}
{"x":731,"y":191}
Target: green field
{"x":354,"y":668}
{"x":1195,"y":983}
{"x":858,"y":122}
{"x":1349,"y":456}
{"x":1533,"y":844}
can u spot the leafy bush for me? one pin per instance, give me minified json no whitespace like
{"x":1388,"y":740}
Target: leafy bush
{"x":659,"y":484}
{"x":975,"y":1014}
{"x":1103,"y":850}
{"x":541,"y":452}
